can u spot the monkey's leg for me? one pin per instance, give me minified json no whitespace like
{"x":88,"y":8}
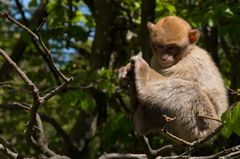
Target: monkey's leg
{"x":183,"y":100}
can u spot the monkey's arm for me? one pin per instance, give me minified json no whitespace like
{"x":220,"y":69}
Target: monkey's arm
{"x":139,"y":70}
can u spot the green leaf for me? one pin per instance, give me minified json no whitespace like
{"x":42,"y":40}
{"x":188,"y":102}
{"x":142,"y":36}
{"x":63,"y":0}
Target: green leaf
{"x":170,"y":8}
{"x":226,"y":131}
{"x":231,"y":119}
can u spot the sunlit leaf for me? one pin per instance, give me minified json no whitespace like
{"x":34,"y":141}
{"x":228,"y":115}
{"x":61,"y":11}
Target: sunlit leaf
{"x":231,"y":120}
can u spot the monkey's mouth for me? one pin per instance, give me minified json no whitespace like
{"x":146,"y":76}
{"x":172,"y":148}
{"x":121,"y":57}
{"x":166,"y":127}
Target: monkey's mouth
{"x":165,"y":64}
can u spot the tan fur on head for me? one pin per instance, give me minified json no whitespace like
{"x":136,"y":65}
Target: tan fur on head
{"x":171,"y":29}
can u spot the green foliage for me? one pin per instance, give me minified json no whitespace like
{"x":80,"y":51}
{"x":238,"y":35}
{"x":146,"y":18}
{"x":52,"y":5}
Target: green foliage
{"x":164,"y":8}
{"x":58,"y":13}
{"x":117,"y":133}
{"x":106,"y":84}
{"x":231,"y":120}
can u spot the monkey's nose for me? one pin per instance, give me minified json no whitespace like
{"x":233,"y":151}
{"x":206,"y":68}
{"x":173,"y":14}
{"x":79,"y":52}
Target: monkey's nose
{"x":164,"y":57}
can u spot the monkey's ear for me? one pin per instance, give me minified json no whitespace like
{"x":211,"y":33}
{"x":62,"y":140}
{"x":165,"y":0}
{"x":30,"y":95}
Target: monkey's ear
{"x":151,"y":26}
{"x":193,"y":35}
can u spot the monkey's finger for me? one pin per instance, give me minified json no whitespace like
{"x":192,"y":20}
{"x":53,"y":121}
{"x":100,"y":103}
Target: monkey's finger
{"x":123,"y":72}
{"x":133,"y":60}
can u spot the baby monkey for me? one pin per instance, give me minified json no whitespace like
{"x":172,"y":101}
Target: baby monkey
{"x":182,"y":83}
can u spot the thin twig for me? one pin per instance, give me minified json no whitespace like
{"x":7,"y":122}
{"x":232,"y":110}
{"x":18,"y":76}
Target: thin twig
{"x":20,"y":8}
{"x":197,"y":142}
{"x":122,"y":156}
{"x":40,"y":143}
{"x":48,"y":54}
{"x":44,"y":117}
{"x":233,"y":91}
{"x":41,"y":25}
{"x":20,"y":105}
{"x":19,"y":24}
{"x":194,"y":143}
{"x":8,"y":149}
{"x":56,"y":90}
{"x":19,"y":71}
{"x":37,"y":101}
{"x":208,"y":117}
{"x":42,"y":139}
{"x":38,"y":38}
{"x":151,"y":153}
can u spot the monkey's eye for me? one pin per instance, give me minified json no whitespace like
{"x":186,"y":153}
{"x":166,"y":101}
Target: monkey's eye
{"x":172,"y":48}
{"x":160,"y":47}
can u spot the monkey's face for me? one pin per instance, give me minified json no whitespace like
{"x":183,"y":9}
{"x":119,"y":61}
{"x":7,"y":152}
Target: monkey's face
{"x":169,"y":38}
{"x":165,"y":54}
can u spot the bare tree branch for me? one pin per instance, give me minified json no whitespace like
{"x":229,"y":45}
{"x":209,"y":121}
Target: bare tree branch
{"x":8,"y":152}
{"x":19,"y":24}
{"x":21,"y":43}
{"x":56,"y":90}
{"x":233,"y":91}
{"x":227,"y":153}
{"x":208,"y":117}
{"x":66,"y":138}
{"x":20,"y":8}
{"x":40,"y":143}
{"x":38,"y":38}
{"x":7,"y":149}
{"x":122,"y":156}
{"x":19,"y":71}
{"x":151,"y":154}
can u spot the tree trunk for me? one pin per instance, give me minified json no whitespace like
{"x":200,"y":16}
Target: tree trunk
{"x":102,"y":44}
{"x":147,"y":14}
{"x":211,"y":41}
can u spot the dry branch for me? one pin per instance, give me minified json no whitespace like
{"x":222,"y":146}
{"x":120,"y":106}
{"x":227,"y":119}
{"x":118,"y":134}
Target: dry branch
{"x":8,"y":152}
{"x":37,"y":37}
{"x":7,"y":149}
{"x":60,"y":131}
{"x":19,"y":24}
{"x":228,"y":153}
{"x":40,"y":144}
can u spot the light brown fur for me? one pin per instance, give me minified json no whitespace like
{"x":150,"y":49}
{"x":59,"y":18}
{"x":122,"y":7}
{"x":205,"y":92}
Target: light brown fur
{"x":191,"y":85}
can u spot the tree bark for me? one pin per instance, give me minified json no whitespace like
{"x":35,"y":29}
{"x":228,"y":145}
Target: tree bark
{"x":211,"y":41}
{"x":102,"y":44}
{"x":147,"y":14}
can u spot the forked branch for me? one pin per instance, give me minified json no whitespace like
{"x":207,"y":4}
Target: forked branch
{"x":39,"y":143}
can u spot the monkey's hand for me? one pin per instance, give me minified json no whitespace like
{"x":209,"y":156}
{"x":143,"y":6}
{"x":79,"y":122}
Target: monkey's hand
{"x":124,"y":72}
{"x":141,"y":69}
{"x":136,"y":71}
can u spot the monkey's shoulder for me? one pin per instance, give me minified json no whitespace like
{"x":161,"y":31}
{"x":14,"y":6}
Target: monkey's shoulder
{"x":197,"y":60}
{"x":196,"y":66}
